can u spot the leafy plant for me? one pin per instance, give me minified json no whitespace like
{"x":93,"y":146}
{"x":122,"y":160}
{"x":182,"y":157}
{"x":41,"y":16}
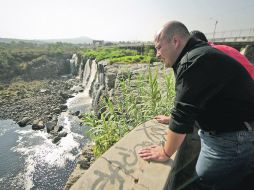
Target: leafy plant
{"x":137,"y":101}
{"x":114,"y":55}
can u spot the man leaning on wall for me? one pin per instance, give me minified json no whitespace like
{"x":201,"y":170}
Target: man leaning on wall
{"x":214,"y":91}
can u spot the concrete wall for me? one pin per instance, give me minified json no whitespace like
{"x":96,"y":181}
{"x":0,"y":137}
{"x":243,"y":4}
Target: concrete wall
{"x":120,"y":168}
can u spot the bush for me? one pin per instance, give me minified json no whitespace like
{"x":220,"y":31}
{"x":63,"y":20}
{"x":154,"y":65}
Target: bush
{"x":129,"y":109}
{"x":116,"y":55}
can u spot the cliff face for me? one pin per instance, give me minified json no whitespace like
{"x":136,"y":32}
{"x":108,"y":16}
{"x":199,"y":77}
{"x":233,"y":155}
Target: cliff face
{"x":107,"y":77}
{"x":47,"y":67}
{"x":33,"y":64}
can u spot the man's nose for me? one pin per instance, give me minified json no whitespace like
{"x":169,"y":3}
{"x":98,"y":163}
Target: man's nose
{"x":158,"y":55}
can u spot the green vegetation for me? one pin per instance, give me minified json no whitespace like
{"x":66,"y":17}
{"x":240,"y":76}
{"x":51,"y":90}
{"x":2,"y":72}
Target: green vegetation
{"x":138,"y":101}
{"x":118,"y":55}
{"x":19,"y":87}
{"x":14,"y":57}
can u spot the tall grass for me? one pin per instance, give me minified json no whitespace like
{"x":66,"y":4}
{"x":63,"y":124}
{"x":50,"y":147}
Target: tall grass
{"x":137,"y":101}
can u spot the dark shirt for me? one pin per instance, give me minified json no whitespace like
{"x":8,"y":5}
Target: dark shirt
{"x":213,"y":90}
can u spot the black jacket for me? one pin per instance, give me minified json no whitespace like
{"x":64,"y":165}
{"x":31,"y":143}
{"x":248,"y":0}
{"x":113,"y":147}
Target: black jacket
{"x":212,"y":89}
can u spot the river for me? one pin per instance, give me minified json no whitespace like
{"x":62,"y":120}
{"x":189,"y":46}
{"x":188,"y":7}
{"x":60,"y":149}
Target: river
{"x":29,"y":159}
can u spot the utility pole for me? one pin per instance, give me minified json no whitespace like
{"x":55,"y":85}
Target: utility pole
{"x":216,"y":22}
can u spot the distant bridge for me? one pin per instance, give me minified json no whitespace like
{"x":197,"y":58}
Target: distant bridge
{"x":242,"y":37}
{"x":236,"y":38}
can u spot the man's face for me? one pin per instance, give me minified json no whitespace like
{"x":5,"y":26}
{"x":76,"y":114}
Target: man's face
{"x":166,"y":51}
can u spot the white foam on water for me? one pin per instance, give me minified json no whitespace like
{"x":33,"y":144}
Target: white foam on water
{"x":83,"y":99}
{"x":39,"y":151}
{"x":23,"y":132}
{"x":61,"y":153}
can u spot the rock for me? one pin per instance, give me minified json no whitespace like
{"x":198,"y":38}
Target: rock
{"x":23,"y":122}
{"x":43,"y":90}
{"x":123,"y":75}
{"x":84,"y":164}
{"x":20,"y":93}
{"x":49,"y":117}
{"x":50,"y":126}
{"x":76,"y":113}
{"x":57,"y":110}
{"x":37,"y":125}
{"x":63,"y":107}
{"x":54,"y":118}
{"x":73,"y":178}
{"x":86,"y":159}
{"x":62,"y":134}
{"x":77,"y":89}
{"x":64,"y":95}
{"x":58,"y":128}
{"x":56,"y":139}
{"x":80,"y":116}
{"x":110,"y":80}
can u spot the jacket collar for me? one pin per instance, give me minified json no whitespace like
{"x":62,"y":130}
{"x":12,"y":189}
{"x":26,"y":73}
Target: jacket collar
{"x":191,"y":44}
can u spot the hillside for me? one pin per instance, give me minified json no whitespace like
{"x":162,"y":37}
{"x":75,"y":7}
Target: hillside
{"x":21,"y":59}
{"x":78,"y":40}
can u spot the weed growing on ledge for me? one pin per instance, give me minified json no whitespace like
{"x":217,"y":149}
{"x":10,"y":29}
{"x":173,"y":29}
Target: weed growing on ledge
{"x":137,"y":101}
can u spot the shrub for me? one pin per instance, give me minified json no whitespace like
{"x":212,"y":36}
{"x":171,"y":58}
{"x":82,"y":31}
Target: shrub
{"x":129,"y":109}
{"x":119,"y":55}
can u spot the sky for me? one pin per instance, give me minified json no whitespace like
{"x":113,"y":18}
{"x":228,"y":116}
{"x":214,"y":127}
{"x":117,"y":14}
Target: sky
{"x":118,"y":20}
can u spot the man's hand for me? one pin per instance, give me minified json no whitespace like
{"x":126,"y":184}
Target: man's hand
{"x":154,"y":152}
{"x":162,"y":119}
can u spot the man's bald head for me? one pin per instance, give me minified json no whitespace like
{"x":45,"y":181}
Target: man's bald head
{"x":170,"y":41}
{"x":173,"y":28}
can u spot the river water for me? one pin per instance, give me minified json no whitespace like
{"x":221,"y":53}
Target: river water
{"x":29,"y":159}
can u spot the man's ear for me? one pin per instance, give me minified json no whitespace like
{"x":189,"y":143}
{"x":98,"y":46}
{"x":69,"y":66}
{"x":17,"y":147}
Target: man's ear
{"x":176,"y":41}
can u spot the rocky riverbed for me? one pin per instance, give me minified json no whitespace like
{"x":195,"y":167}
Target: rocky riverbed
{"x":35,"y":102}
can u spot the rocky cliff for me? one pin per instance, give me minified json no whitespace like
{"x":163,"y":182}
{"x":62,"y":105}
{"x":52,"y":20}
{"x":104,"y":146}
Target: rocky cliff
{"x":45,"y":67}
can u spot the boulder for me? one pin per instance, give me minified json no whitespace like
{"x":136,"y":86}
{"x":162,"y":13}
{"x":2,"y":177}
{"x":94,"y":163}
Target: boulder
{"x":57,"y":110}
{"x":23,"y":121}
{"x":58,"y":128}
{"x":50,"y":126}
{"x":63,"y":107}
{"x":76,"y":113}
{"x":84,"y":164}
{"x":58,"y":137}
{"x":37,"y":125}
{"x":62,"y":134}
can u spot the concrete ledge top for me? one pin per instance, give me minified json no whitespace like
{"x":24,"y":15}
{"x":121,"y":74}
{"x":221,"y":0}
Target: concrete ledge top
{"x":120,"y":168}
